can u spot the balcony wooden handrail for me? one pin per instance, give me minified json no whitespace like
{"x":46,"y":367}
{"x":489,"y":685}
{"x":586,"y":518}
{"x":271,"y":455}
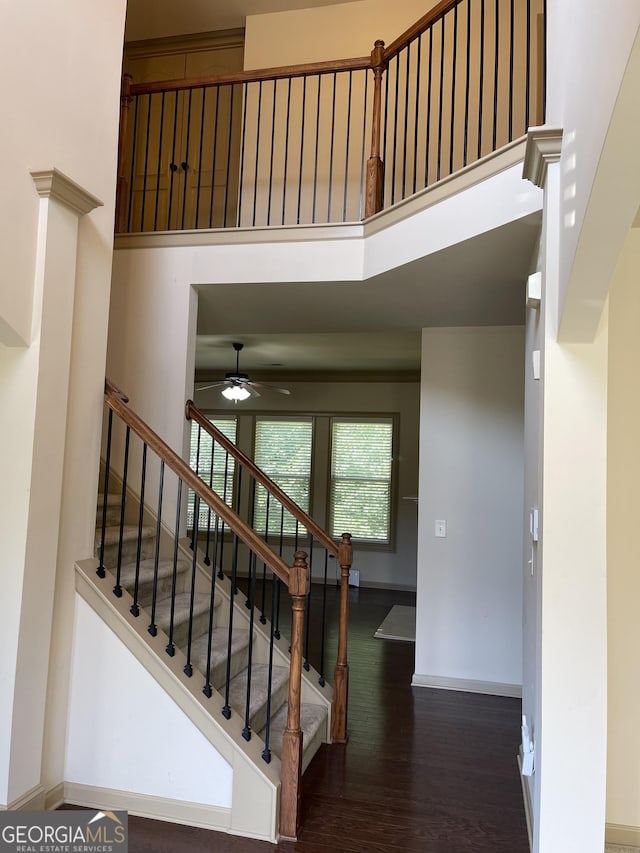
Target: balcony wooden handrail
{"x":193,"y":413}
{"x":282,"y":72}
{"x":115,"y":400}
{"x":420,"y":26}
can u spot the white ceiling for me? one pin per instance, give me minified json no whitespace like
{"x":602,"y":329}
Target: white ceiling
{"x":148,"y":19}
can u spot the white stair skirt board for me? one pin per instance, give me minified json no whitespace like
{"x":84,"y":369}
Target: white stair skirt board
{"x":399,"y":624}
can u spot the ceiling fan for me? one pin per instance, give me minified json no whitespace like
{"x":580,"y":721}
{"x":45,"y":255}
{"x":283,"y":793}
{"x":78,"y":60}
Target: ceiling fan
{"x":238,"y":386}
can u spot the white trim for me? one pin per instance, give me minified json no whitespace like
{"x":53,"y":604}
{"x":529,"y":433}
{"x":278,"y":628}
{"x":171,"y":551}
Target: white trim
{"x":467,"y":685}
{"x":52,"y":183}
{"x":142,"y":805}
{"x":544,"y":145}
{"x":617,"y":833}
{"x":32,"y":800}
{"x":526,"y":799}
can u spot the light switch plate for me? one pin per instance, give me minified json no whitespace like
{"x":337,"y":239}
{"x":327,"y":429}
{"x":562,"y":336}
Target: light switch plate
{"x":440,"y":528}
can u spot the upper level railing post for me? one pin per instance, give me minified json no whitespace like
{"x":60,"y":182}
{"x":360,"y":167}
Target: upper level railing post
{"x":121,"y":188}
{"x":291,"y":758}
{"x":375,"y":169}
{"x":341,"y":674}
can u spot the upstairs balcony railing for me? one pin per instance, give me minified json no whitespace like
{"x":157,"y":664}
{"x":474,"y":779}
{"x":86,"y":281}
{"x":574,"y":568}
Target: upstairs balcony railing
{"x":333,"y":141}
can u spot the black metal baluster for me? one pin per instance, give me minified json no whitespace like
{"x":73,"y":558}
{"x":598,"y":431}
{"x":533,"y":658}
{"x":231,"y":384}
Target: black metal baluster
{"x":385,"y":127}
{"x":286,"y":153}
{"x":395,"y":129}
{"x":185,"y":163}
{"x":321,"y":680}
{"x":172,"y":166}
{"x":468,"y":86}
{"x":213,"y":157}
{"x":441,"y":103}
{"x":306,"y":665}
{"x":226,"y":182}
{"x":255,"y":177}
{"x":315,"y":167}
{"x":496,"y":72}
{"x":204,"y":100}
{"x":333,"y":134}
{"x":511,"y":48}
{"x":134,"y":609}
{"x":363,"y":158}
{"x":117,"y":590}
{"x":238,"y":504}
{"x":226,"y":710}
{"x":159,"y":166}
{"x":207,"y":689}
{"x":276,"y":632}
{"x":246,"y":732}
{"x":302,"y":115}
{"x":252,"y":507}
{"x":346,"y":152}
{"x":188,"y":668}
{"x":406,"y":123}
{"x":153,"y":628}
{"x":132,"y":174}
{"x":100,"y":571}
{"x":428,"y":118}
{"x":197,"y":470}
{"x":146,"y":163}
{"x":417,"y":119}
{"x":171,"y":649}
{"x":207,"y":558}
{"x":263,"y":618}
{"x":222,"y":525}
{"x":273,"y":136}
{"x":266,"y":752}
{"x":454,"y":69}
{"x":481,"y":77}
{"x":243,"y":137}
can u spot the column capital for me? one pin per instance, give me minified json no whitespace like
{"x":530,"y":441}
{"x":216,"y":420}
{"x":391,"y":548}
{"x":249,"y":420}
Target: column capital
{"x":544,"y":145}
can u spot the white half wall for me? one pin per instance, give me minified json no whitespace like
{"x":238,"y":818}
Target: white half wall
{"x":126,"y":733}
{"x":469,"y":591}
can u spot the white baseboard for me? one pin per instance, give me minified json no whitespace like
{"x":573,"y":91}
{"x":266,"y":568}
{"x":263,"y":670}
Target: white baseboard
{"x":54,"y":797}
{"x":526,"y":798}
{"x":142,"y":805}
{"x":31,"y":801}
{"x":627,"y":836}
{"x":466,"y":685}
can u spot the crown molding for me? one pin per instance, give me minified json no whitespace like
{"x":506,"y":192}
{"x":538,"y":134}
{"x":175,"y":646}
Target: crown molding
{"x":544,"y":145}
{"x":394,"y":376}
{"x":191,"y":43}
{"x":52,"y":183}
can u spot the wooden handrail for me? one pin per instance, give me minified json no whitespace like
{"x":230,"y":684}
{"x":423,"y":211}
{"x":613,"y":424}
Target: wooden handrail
{"x":115,"y":400}
{"x":429,"y":18}
{"x":193,"y":413}
{"x":308,"y":69}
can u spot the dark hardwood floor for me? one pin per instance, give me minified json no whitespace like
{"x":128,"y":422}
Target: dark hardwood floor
{"x":424,"y":770}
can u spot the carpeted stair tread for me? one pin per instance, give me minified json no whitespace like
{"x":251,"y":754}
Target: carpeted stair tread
{"x":147,"y":571}
{"x":259,"y":691}
{"x":112,"y":500}
{"x":219,"y":647}
{"x":312,"y":717}
{"x":201,"y":602}
{"x":129,"y":534}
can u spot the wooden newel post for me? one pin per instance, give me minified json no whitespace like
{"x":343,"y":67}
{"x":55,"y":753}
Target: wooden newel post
{"x":291,"y":759}
{"x":341,"y":674}
{"x":121,"y":189}
{"x":375,"y":170}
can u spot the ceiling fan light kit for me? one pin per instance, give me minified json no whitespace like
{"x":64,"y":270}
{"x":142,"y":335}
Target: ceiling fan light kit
{"x":238,"y":386}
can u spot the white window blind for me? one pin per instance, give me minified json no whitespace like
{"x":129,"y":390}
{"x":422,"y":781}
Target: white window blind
{"x":283,"y":450}
{"x":361,"y":467}
{"x":211,"y":464}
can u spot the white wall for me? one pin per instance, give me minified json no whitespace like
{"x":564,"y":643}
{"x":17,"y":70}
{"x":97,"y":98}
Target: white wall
{"x":469,"y":617}
{"x":118,"y":711}
{"x":64,"y":114}
{"x":595,"y":102}
{"x":623,"y":578}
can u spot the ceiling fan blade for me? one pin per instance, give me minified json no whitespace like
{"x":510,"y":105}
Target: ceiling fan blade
{"x":270,"y":387}
{"x":214,"y":385}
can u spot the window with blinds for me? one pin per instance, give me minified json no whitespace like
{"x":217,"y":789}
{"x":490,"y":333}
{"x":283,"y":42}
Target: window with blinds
{"x":213,"y":465}
{"x":360,"y":489}
{"x":283,"y":450}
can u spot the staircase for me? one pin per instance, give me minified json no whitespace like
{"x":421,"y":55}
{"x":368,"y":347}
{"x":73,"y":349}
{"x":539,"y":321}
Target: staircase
{"x":195,"y":619}
{"x":174,"y":613}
